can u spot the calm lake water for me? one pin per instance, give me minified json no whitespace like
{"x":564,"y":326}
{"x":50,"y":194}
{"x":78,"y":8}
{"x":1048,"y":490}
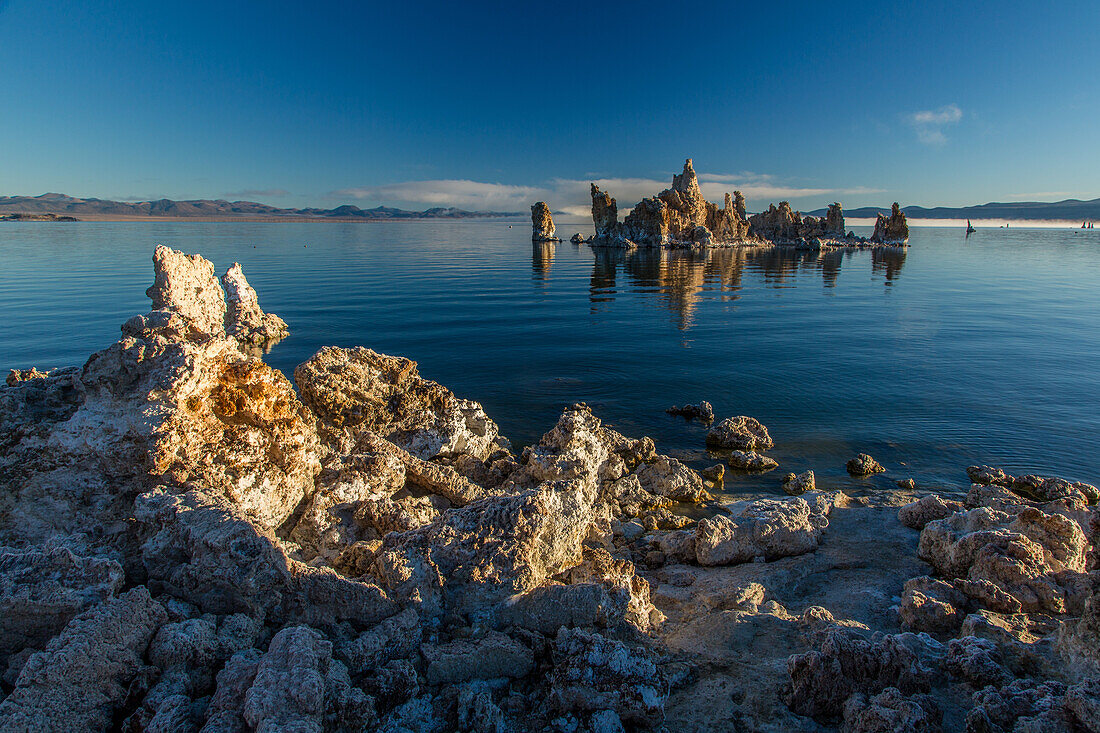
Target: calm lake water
{"x":957,"y":351}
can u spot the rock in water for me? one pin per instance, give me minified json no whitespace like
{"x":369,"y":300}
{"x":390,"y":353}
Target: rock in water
{"x":605,"y":213}
{"x":800,"y":483}
{"x":703,"y":412}
{"x":542,"y":225}
{"x":834,"y":220}
{"x":893,"y":229}
{"x":741,"y":433}
{"x":243,"y":319}
{"x":186,"y":284}
{"x":751,"y":461}
{"x":678,"y":216}
{"x":864,"y":465}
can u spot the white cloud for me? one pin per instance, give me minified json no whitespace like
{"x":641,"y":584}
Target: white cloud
{"x":930,"y":124}
{"x":572,"y":195}
{"x":460,"y":193}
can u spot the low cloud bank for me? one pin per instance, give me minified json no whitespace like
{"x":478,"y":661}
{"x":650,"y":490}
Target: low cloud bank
{"x":572,"y":195}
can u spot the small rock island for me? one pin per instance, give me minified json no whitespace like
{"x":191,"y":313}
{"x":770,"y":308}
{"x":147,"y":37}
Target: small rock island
{"x":681,"y":217}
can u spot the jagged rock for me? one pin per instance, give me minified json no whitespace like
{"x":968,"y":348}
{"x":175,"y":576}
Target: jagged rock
{"x":299,"y":686}
{"x":578,"y":238}
{"x":243,"y":318}
{"x":669,"y":477}
{"x":751,"y":461}
{"x":629,"y":594}
{"x":555,"y":605}
{"x":777,"y":223}
{"x":702,"y":412}
{"x":864,"y":465}
{"x":932,"y":605}
{"x":1023,"y":705}
{"x":42,"y":590}
{"x":429,"y":476}
{"x":189,"y":647}
{"x":392,"y":684}
{"x":605,"y":213}
{"x":593,"y":673}
{"x":491,"y":549}
{"x":476,"y":712}
{"x":353,"y":390}
{"x":1034,"y":487}
{"x":186,"y":284}
{"x":890,"y":711}
{"x":893,"y":229}
{"x":765,"y":528}
{"x":823,"y":679}
{"x":15,"y":376}
{"x":398,"y":637}
{"x":834,"y":220}
{"x":493,"y":656}
{"x":678,"y":215}
{"x":1079,"y":640}
{"x":740,"y":433}
{"x":542,"y":224}
{"x":978,"y":661}
{"x":795,"y":484}
{"x":1006,"y":563}
{"x":1082,"y":702}
{"x":927,"y":509}
{"x":632,"y":499}
{"x":327,"y":524}
{"x":205,"y":551}
{"x":197,"y":410}
{"x":79,"y":681}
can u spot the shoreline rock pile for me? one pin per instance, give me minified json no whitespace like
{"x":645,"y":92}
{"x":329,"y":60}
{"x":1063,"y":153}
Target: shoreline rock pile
{"x":681,"y":217}
{"x":188,"y":542}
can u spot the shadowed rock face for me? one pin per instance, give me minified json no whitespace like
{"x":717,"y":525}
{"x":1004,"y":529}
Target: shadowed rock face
{"x":834,"y":220}
{"x":893,"y":229}
{"x":542,"y":225}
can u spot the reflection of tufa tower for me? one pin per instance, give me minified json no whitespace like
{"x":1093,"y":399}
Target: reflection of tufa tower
{"x":542,"y":257}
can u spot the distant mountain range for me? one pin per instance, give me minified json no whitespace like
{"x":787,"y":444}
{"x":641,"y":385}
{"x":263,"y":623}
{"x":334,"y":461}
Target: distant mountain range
{"x":57,"y":203}
{"x":60,"y":204}
{"x":1069,"y":210}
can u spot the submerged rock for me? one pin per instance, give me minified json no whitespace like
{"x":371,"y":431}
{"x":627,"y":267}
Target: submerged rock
{"x":702,"y":412}
{"x":864,"y":465}
{"x":751,"y":461}
{"x":542,"y":224}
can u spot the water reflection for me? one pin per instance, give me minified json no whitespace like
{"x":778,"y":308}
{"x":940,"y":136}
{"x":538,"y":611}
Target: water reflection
{"x":681,"y":278}
{"x":542,"y":257}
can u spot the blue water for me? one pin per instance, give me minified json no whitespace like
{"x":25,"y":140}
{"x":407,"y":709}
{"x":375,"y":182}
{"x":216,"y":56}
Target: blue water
{"x":956,"y":352}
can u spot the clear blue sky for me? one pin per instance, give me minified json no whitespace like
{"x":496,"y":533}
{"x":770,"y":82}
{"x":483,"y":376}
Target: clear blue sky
{"x":419,"y":104}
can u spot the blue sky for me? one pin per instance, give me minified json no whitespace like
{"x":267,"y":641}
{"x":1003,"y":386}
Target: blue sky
{"x":493,"y":105}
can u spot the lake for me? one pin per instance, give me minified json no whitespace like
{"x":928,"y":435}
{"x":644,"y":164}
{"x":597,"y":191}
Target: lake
{"x":953,"y":352}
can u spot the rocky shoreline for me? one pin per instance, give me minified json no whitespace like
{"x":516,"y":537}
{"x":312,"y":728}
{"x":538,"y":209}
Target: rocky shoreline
{"x":190,"y":542}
